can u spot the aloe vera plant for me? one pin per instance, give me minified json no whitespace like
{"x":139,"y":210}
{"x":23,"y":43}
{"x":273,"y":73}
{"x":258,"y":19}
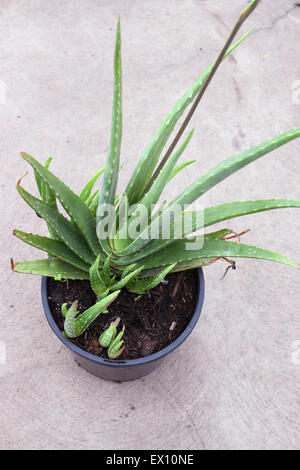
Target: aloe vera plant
{"x":85,"y":246}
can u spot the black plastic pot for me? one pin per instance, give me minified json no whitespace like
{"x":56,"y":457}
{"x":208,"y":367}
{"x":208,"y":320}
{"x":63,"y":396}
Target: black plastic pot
{"x":128,"y":369}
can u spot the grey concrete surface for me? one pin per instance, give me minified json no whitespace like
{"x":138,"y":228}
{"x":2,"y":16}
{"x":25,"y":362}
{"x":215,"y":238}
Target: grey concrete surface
{"x":235,"y":383}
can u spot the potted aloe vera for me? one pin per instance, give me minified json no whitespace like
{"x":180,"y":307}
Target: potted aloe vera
{"x":123,"y":284}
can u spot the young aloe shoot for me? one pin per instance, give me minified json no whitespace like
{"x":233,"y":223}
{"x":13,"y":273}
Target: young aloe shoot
{"x":116,"y":348}
{"x":76,"y":324}
{"x":109,"y":334}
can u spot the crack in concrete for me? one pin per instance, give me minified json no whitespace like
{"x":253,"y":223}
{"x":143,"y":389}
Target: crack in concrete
{"x":274,"y":22}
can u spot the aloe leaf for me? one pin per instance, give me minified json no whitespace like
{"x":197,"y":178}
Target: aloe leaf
{"x":144,"y":170}
{"x":92,"y":197}
{"x":126,"y":279}
{"x":115,"y":351}
{"x":69,"y":323}
{"x":128,"y":269}
{"x":111,"y":172}
{"x":120,"y":227}
{"x":97,"y":282}
{"x":87,"y":190}
{"x":66,"y":231}
{"x":219,"y":234}
{"x":74,"y":206}
{"x":213,"y":215}
{"x":231,"y":165}
{"x":211,"y":249}
{"x":106,"y":271}
{"x":141,"y":285}
{"x":83,"y":321}
{"x":192,"y":264}
{"x":46,"y":194}
{"x":154,"y":193}
{"x":206,"y":182}
{"x":64,"y":310}
{"x":50,"y":267}
{"x":94,"y":204}
{"x":179,"y":168}
{"x":54,"y":248}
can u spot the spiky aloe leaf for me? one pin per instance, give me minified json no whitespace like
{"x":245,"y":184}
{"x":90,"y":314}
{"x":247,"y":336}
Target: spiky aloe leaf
{"x":154,"y":193}
{"x":109,"y":334}
{"x":106,"y":271}
{"x":179,"y":168}
{"x":64,"y":310}
{"x":66,"y":231}
{"x":51,"y":268}
{"x":211,"y":249}
{"x":69,"y":324}
{"x":54,"y":248}
{"x":191,"y":264}
{"x":127,"y":269}
{"x":87,"y":190}
{"x":203,"y":184}
{"x":126,"y":279}
{"x":76,"y":326}
{"x":94,"y":205}
{"x":144,"y":170}
{"x":213,"y":215}
{"x":219,"y":234}
{"x":233,"y":164}
{"x":111,"y":173}
{"x":46,"y":194}
{"x":141,"y":285}
{"x":74,"y":206}
{"x":115,"y":349}
{"x":92,"y":197}
{"x":97,"y":283}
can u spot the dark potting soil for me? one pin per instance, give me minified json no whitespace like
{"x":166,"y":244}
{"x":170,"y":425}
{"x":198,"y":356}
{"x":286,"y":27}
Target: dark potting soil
{"x":152,"y":321}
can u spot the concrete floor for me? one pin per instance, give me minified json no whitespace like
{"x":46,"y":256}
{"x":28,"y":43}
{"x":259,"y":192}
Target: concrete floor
{"x":235,"y":383}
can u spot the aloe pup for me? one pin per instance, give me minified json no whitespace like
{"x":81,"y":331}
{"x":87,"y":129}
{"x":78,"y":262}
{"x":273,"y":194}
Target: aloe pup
{"x":77,"y":247}
{"x":109,"y":335}
{"x":117,"y":346}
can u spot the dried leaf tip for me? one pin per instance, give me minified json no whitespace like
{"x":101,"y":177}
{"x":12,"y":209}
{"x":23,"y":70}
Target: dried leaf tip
{"x":12,"y":264}
{"x":116,"y":322}
{"x":20,"y":179}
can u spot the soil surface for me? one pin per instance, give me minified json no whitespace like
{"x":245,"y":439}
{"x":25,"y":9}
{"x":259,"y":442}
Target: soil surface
{"x":152,"y":321}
